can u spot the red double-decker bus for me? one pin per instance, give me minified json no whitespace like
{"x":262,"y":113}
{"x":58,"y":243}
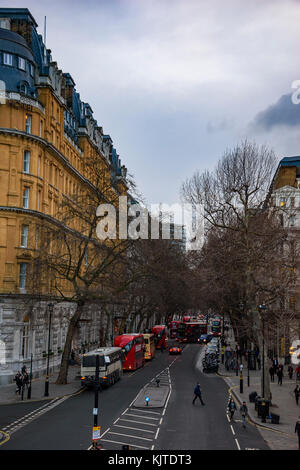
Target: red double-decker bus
{"x":173,"y":328}
{"x":133,"y":345}
{"x":160,"y":336}
{"x":190,"y":332}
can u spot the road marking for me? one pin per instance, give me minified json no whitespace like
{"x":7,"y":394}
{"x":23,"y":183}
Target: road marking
{"x":232,"y":430}
{"x":156,"y":434}
{"x":138,"y":429}
{"x":139,"y":416}
{"x":129,"y":435}
{"x":237,"y":443}
{"x":138,"y":422}
{"x":125,"y":443}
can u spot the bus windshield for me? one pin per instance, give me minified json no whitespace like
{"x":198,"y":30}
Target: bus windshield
{"x":128,"y":346}
{"x":90,"y":361}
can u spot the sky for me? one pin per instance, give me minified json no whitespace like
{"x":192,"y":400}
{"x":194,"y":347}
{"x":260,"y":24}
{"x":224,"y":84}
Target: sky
{"x":176,"y":83}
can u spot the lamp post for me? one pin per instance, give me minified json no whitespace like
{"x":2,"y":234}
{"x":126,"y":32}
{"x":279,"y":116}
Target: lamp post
{"x":262,"y":308}
{"x":50,"y":307}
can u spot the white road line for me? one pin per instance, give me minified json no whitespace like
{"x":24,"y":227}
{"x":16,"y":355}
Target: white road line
{"x":129,"y":435}
{"x":144,"y":417}
{"x":107,"y":430}
{"x":237,"y":443}
{"x":160,"y":421}
{"x":137,"y":429}
{"x":137,"y":410}
{"x":156,"y":433}
{"x":138,"y":422}
{"x":125,"y":443}
{"x":125,"y":411}
{"x":116,"y":421}
{"x":232,"y":430}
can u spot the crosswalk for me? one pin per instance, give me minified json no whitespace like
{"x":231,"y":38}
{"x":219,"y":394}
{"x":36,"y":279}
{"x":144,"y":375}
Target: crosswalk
{"x":137,"y":427}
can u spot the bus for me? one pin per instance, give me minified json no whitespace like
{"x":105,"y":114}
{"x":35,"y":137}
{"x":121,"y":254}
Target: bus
{"x":186,"y":318}
{"x":190,"y":332}
{"x":216,"y":327}
{"x":110,"y":367}
{"x":149,"y":346}
{"x":173,"y":328}
{"x":133,"y":345}
{"x":160,"y":336}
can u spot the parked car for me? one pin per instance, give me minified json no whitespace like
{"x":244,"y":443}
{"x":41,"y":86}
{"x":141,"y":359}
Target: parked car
{"x":175,"y":350}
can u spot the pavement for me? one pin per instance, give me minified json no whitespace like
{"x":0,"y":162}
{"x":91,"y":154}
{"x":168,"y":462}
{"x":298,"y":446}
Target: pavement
{"x":280,"y":436}
{"x":8,"y":393}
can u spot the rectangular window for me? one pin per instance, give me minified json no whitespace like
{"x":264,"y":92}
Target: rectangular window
{"x":22,"y":279}
{"x":282,"y":201}
{"x":7,"y":59}
{"x":292,"y":202}
{"x":38,"y":200}
{"x":292,"y":221}
{"x":39,"y":166}
{"x":41,"y":128}
{"x":24,"y":236}
{"x":26,"y":165}
{"x":28,"y":123}
{"x":21,"y":63}
{"x":5,"y":23}
{"x":31,"y":70}
{"x":26,"y":198}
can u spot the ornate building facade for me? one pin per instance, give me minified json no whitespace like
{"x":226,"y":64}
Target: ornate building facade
{"x":46,"y":133}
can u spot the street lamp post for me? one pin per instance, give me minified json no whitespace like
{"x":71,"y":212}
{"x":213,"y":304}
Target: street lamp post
{"x":50,"y":307}
{"x":262,"y":308}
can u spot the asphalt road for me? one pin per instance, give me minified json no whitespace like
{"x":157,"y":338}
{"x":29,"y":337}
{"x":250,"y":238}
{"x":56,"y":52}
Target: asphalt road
{"x":66,"y":424}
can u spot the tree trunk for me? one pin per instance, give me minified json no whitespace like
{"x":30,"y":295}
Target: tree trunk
{"x":64,"y":365}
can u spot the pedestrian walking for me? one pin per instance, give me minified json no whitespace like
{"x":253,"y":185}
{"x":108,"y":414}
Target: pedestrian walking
{"x":280,"y":375}
{"x":297,"y":394}
{"x":275,"y":364}
{"x":290,"y":371}
{"x":297,"y":372}
{"x":272,"y":373}
{"x":223,"y":354}
{"x":258,"y":363}
{"x":231,"y":408}
{"x":244,"y":413}
{"x":197,"y":393}
{"x":297,"y":430}
{"x":24,"y":370}
{"x":19,"y":382}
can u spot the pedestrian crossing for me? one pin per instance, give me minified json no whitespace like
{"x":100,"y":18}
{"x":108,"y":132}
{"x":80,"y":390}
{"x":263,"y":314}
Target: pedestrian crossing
{"x":137,"y":427}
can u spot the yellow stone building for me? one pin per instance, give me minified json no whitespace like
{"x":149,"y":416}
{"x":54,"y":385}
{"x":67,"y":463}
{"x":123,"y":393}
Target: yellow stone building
{"x":46,"y":136}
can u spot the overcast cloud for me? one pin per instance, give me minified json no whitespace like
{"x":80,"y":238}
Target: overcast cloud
{"x":176,"y":82}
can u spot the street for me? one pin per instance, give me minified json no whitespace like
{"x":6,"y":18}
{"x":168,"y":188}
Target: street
{"x":66,"y":423}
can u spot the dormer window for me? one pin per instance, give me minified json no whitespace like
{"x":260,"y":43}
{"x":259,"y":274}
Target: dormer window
{"x":21,"y":63}
{"x":7,"y":59}
{"x":5,"y":23}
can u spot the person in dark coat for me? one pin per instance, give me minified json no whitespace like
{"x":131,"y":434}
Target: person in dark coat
{"x":297,"y":430}
{"x":231,"y":407}
{"x":290,"y":371}
{"x":197,"y":393}
{"x":280,"y":375}
{"x":297,"y":394}
{"x":272,"y":373}
{"x":19,"y":382}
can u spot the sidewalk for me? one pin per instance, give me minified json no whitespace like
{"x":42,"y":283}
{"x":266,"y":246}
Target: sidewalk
{"x":8,"y":392}
{"x":278,"y":436}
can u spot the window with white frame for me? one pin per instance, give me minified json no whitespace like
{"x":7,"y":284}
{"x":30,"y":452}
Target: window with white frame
{"x":5,"y":23}
{"x":26,"y":198}
{"x":7,"y":59}
{"x":24,"y":236}
{"x":21,"y":63}
{"x":31,"y":67}
{"x":25,"y":342}
{"x":28,"y":123}
{"x":26,"y":165}
{"x":22,"y":278}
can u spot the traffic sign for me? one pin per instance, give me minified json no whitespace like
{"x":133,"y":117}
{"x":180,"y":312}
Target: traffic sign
{"x":96,"y":433}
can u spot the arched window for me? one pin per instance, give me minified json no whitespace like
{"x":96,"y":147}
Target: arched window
{"x":24,"y":87}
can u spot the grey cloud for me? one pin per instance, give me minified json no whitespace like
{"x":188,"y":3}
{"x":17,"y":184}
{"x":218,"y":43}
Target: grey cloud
{"x":283,"y":113}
